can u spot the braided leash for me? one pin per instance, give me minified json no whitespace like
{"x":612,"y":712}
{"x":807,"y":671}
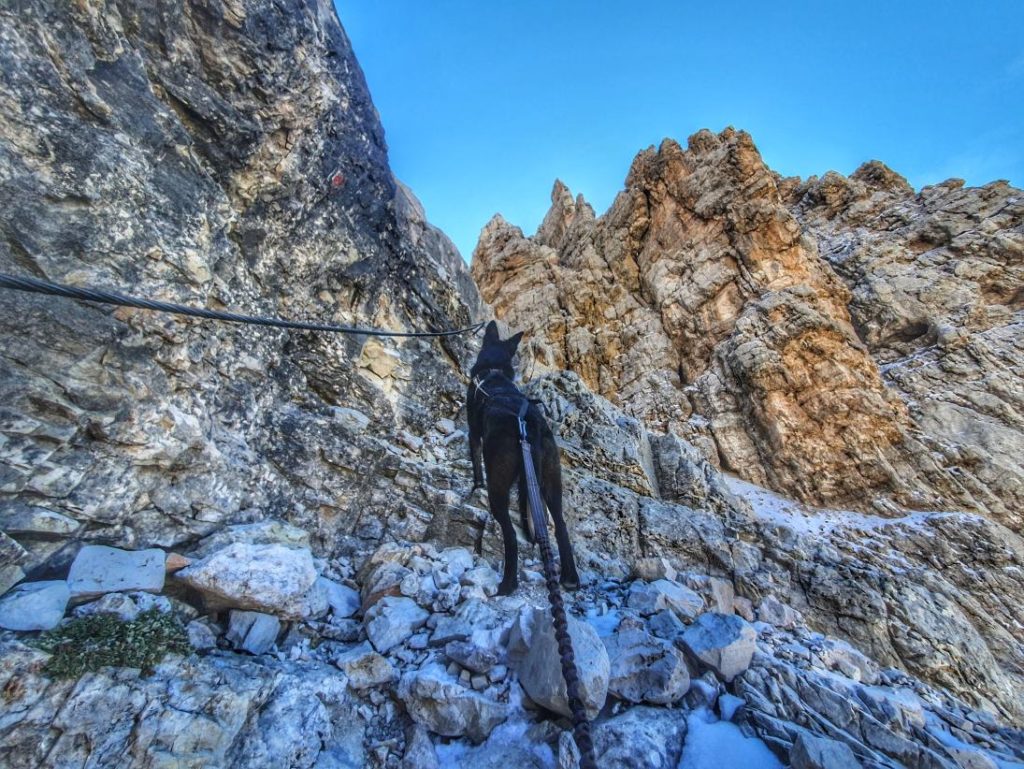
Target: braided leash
{"x":580,"y":723}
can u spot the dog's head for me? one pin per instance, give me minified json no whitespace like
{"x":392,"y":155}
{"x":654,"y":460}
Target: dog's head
{"x":496,"y":353}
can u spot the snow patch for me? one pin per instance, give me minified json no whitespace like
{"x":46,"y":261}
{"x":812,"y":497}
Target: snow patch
{"x":604,"y":624}
{"x":771,"y":507}
{"x":713,"y":744}
{"x":509,"y":737}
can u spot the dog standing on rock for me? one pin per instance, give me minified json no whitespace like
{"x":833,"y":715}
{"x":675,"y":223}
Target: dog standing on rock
{"x":493,"y":404}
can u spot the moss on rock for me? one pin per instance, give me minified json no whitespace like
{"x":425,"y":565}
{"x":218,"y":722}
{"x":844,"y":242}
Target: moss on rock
{"x":89,"y":643}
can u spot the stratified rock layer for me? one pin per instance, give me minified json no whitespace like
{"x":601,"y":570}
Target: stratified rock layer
{"x":700,"y":302}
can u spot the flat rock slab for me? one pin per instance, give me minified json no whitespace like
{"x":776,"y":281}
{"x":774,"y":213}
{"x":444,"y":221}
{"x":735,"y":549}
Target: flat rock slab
{"x":274,"y":579}
{"x":723,"y":642}
{"x":98,"y":569}
{"x":35,"y":605}
{"x":252,"y":631}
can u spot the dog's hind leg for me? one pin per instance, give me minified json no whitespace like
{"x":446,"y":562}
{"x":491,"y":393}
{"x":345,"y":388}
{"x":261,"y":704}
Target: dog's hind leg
{"x":498,"y":496}
{"x":551,"y":488}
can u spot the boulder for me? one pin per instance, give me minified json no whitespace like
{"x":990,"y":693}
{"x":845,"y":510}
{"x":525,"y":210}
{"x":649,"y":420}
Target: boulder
{"x":651,"y":569}
{"x":34,"y":605}
{"x":419,"y":750}
{"x":665,"y":624}
{"x":718,"y":593}
{"x":392,"y":620}
{"x":252,"y":631}
{"x":267,"y":578}
{"x":98,"y":569}
{"x":441,"y":704}
{"x":645,"y":668}
{"x":540,"y":671}
{"x":723,"y":642}
{"x":475,"y":620}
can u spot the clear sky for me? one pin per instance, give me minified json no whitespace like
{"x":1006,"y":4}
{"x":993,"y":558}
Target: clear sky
{"x":485,"y":103}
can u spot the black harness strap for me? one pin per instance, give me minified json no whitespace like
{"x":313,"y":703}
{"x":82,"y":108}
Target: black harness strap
{"x":581,"y":726}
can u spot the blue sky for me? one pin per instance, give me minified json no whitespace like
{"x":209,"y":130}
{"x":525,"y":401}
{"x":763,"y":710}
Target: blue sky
{"x":484,"y":104}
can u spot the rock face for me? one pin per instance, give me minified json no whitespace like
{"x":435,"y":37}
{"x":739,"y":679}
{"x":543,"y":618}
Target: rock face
{"x":784,"y":326}
{"x":220,"y":157}
{"x":229,"y":712}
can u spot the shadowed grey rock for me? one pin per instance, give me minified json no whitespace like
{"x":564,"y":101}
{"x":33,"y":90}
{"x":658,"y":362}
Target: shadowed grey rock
{"x":419,"y":750}
{"x":268,"y":578}
{"x":252,"y":631}
{"x":124,"y":606}
{"x":34,"y":605}
{"x":645,"y":668}
{"x":471,"y":656}
{"x":812,"y":752}
{"x":364,"y":667}
{"x":343,"y":600}
{"x":664,"y":594}
{"x":438,"y":702}
{"x":642,"y":736}
{"x":774,"y":612}
{"x":723,"y":642}
{"x":98,"y":569}
{"x":392,"y":620}
{"x":202,"y":635}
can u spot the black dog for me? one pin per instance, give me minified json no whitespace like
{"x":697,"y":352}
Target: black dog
{"x":492,"y":404}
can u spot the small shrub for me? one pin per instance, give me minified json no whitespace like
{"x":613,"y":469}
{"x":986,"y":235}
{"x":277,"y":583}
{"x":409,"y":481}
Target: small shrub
{"x":89,"y":643}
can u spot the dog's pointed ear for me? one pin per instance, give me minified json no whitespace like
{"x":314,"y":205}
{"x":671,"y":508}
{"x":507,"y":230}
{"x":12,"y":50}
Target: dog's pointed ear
{"x":491,"y":333}
{"x":513,"y":342}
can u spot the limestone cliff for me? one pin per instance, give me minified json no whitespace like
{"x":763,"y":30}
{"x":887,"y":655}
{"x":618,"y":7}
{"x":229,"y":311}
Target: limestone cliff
{"x":223,"y":155}
{"x":841,"y":340}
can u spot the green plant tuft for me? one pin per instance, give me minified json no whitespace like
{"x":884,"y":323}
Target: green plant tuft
{"x":89,"y":643}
